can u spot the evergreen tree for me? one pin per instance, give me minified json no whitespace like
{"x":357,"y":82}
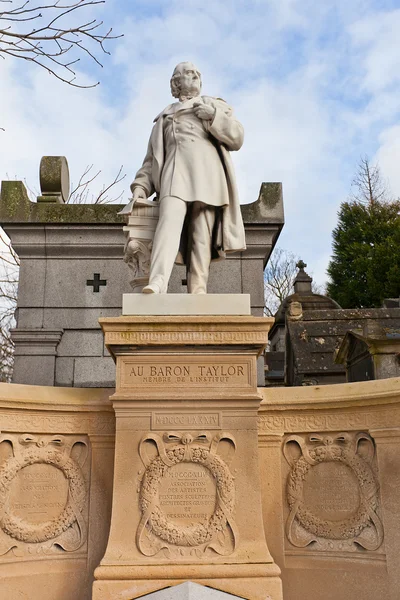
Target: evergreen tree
{"x":365,"y":266}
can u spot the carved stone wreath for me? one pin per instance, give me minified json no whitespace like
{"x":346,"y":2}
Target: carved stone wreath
{"x":155,"y":520}
{"x":34,"y":533}
{"x":341,"y":450}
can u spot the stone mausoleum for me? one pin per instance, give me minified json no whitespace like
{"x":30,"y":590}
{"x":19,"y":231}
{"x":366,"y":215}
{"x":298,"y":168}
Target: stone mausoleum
{"x":72,"y":273}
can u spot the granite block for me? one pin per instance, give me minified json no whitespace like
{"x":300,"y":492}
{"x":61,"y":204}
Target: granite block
{"x":94,"y":372}
{"x":66,"y":285}
{"x":81,"y":343}
{"x":78,"y":318}
{"x":253,"y":280}
{"x":32,"y":281}
{"x":225,"y":276}
{"x":34,"y":370}
{"x":64,"y":371}
{"x":31,"y":317}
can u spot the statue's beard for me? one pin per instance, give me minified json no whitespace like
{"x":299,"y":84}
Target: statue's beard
{"x":188,"y":89}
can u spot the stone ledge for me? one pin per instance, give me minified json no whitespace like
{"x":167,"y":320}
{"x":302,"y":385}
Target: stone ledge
{"x":186,"y":304}
{"x":15,"y":207}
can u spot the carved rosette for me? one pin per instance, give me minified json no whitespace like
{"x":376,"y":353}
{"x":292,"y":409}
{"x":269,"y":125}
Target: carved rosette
{"x":156,"y":530}
{"x":67,"y":530}
{"x":354,"y":492}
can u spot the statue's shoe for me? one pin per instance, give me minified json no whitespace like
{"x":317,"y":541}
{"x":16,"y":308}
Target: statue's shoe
{"x":152,"y":288}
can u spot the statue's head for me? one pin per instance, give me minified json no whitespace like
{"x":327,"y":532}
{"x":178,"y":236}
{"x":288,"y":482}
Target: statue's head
{"x":185,"y":80}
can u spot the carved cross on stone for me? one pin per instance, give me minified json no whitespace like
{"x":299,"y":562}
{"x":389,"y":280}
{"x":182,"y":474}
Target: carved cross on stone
{"x":96,"y":282}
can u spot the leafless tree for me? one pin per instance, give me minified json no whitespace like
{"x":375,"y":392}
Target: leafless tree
{"x":9,"y":269}
{"x":81,"y":193}
{"x":279,"y":277}
{"x":368,"y":185}
{"x":9,"y":263}
{"x":53,"y":36}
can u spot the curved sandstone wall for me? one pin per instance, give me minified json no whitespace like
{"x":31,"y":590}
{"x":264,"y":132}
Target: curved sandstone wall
{"x":330,"y":475}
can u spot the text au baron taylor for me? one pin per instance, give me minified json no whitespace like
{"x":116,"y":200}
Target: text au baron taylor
{"x":187,"y":373}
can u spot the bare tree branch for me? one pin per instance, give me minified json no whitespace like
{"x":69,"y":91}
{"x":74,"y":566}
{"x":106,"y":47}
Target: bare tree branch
{"x":279,"y":276}
{"x":47,"y":45}
{"x":278,"y":279}
{"x":80,"y":194}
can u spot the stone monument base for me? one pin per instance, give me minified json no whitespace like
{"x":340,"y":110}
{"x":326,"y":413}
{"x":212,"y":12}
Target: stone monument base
{"x":159,"y":583}
{"x":186,"y":500}
{"x":186,"y":304}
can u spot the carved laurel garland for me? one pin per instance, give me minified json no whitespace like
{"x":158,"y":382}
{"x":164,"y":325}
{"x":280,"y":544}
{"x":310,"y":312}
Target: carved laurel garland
{"x":345,"y":452}
{"x":154,"y":519}
{"x":23,"y":531}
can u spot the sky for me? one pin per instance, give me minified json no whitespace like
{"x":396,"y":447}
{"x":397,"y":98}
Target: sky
{"x":315,"y":84}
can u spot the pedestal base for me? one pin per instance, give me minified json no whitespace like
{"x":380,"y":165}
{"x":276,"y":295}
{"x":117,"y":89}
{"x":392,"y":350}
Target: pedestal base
{"x":186,"y":304}
{"x":186,"y":501}
{"x":234,"y":581}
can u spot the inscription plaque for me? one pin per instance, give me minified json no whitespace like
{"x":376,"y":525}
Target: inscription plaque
{"x":331,"y":491}
{"x":187,"y":493}
{"x":38,"y":493}
{"x":42,"y":493}
{"x":196,"y":372}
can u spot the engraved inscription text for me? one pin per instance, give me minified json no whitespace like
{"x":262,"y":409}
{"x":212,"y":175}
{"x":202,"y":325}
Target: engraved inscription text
{"x":187,"y":493}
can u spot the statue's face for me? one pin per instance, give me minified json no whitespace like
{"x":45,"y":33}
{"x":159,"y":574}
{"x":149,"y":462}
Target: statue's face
{"x":185,"y":80}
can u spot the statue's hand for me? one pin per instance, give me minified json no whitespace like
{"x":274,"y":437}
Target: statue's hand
{"x":138,"y":192}
{"x":205,"y":112}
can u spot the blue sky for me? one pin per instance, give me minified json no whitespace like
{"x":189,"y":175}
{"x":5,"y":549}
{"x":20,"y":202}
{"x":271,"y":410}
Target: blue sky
{"x":315,"y":84}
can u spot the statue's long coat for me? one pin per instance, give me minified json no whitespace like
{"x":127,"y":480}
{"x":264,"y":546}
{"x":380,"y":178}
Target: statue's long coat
{"x":228,"y":235}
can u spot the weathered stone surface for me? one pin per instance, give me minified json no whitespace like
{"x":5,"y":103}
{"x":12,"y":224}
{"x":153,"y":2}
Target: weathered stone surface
{"x":296,"y":421}
{"x":225,"y":276}
{"x":315,"y":338}
{"x":91,"y":342}
{"x":34,"y":370}
{"x":373,"y":351}
{"x":186,"y":475}
{"x":35,"y":354}
{"x":269,"y":202}
{"x":326,"y":451}
{"x":90,"y":370}
{"x":64,"y":375}
{"x":54,"y":179}
{"x":56,"y":463}
{"x":252,"y":283}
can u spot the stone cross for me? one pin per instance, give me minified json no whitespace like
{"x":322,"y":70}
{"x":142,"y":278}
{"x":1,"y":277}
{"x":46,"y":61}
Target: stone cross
{"x":96,"y":282}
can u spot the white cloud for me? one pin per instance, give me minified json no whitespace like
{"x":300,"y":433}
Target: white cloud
{"x":315,"y":85}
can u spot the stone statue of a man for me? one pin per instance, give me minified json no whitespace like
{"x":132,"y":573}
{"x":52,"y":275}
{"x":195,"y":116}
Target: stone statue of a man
{"x":189,"y":166}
